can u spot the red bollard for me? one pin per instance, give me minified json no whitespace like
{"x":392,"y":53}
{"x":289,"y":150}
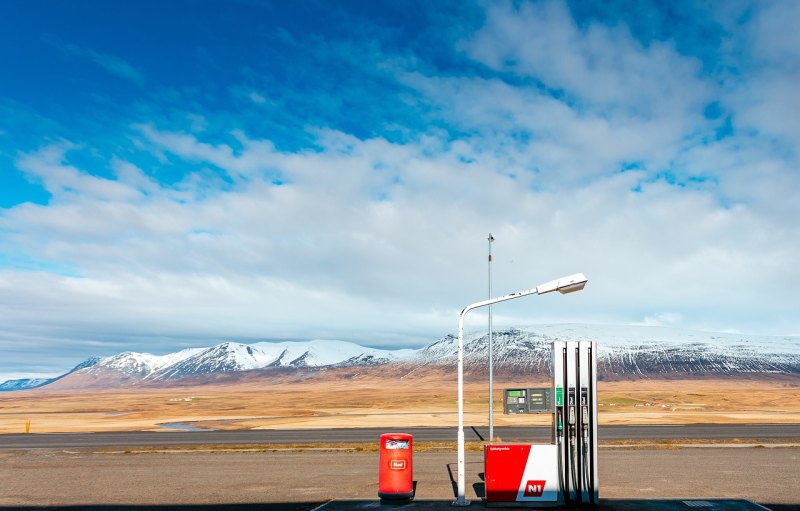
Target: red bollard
{"x":395,"y":473}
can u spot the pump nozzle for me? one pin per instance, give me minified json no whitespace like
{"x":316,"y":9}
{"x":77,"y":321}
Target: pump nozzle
{"x":585,"y":421}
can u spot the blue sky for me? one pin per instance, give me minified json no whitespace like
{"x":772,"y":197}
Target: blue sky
{"x":177,"y":173}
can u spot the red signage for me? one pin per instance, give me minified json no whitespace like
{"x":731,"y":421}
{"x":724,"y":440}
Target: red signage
{"x":397,"y":464}
{"x":534,"y":488}
{"x":504,"y":469}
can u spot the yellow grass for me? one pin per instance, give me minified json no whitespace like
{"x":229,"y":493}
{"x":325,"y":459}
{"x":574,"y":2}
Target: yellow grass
{"x":372,"y":400}
{"x":419,"y":447}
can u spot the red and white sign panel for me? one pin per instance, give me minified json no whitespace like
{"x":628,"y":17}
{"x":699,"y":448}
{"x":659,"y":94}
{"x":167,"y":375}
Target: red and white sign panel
{"x":521,"y":473}
{"x":534,"y":488}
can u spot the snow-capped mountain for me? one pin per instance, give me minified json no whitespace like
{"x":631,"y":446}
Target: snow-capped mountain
{"x":514,"y":348}
{"x":623,"y":351}
{"x":231,"y":356}
{"x":626,"y":350}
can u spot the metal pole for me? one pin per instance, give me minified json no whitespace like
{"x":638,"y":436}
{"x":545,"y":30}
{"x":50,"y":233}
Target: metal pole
{"x":461,"y":499}
{"x":491,"y":362}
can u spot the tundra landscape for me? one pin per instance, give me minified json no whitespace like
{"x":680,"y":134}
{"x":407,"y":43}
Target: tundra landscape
{"x":647,"y":376}
{"x":370,"y":399}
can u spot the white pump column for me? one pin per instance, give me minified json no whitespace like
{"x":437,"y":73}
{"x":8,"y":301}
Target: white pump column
{"x":574,"y":372}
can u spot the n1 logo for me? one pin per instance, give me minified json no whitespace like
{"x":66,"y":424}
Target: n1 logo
{"x":534,"y":488}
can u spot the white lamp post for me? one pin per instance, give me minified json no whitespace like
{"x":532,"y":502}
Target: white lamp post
{"x":563,"y":285}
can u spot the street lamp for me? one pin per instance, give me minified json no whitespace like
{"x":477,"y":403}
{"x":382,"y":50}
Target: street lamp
{"x":564,"y":285}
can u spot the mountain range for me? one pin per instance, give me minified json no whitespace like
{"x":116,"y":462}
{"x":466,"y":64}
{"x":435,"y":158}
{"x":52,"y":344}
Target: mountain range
{"x":623,"y":352}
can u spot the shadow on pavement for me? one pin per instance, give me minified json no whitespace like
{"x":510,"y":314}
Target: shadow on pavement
{"x":277,"y":506}
{"x":479,"y":488}
{"x":605,"y":505}
{"x":428,"y":505}
{"x":453,"y":482}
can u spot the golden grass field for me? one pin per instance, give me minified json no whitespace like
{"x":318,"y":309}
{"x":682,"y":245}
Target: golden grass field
{"x":375,"y":400}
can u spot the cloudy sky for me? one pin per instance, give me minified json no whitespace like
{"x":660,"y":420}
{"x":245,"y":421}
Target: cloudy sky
{"x":180,"y":173}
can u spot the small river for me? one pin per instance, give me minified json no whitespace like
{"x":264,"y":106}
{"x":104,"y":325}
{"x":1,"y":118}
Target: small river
{"x":183,"y":426}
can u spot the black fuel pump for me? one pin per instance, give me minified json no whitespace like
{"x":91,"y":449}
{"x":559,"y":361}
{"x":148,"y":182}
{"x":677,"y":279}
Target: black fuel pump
{"x":575,"y":420}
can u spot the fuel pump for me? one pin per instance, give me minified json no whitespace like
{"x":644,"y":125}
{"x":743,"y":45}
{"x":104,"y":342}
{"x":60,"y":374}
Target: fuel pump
{"x":563,"y":472}
{"x":574,"y":372}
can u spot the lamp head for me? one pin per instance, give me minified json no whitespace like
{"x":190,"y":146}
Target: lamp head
{"x":571,"y":288}
{"x":564,"y":285}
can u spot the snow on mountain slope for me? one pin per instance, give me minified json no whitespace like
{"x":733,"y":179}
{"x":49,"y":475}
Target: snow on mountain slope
{"x":626,"y":350}
{"x":140,"y":365}
{"x":231,"y":356}
{"x":623,"y":350}
{"x":513,"y":348}
{"x":620,"y":337}
{"x":320,"y":353}
{"x":23,"y":384}
{"x":33,"y":383}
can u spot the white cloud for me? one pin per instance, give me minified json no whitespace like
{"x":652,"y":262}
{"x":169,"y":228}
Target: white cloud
{"x":111,"y":63}
{"x":762,"y":88}
{"x":572,"y":104}
{"x":660,"y":319}
{"x":344,"y":250}
{"x":257,"y":98}
{"x":383,"y":242}
{"x":533,"y":132}
{"x":59,"y":179}
{"x":599,"y":67}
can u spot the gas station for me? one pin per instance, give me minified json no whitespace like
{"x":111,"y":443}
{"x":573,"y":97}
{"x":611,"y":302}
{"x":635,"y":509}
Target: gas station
{"x":562,"y":473}
{"x":543,"y":474}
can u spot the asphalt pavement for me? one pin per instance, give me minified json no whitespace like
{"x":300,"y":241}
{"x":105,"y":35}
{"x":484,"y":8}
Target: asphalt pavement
{"x":187,"y":480}
{"x":300,"y":436}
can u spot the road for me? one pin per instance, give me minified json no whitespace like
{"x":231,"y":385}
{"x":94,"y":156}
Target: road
{"x":274,"y":436}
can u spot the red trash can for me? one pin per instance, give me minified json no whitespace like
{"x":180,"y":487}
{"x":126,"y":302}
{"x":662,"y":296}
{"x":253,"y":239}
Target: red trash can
{"x":395,"y":473}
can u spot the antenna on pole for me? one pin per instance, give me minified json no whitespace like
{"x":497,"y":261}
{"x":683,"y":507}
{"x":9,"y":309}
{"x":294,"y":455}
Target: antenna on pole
{"x":491,"y":358}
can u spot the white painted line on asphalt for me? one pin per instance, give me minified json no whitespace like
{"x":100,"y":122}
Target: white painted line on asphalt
{"x":759,"y":505}
{"x":322,"y":505}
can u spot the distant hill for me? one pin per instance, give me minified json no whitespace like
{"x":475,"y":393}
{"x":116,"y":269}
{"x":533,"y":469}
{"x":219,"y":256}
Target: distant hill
{"x":33,"y":383}
{"x":24,"y":383}
{"x":624,"y":352}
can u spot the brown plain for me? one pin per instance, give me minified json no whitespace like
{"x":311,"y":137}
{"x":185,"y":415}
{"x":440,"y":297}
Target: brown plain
{"x":371,"y":398}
